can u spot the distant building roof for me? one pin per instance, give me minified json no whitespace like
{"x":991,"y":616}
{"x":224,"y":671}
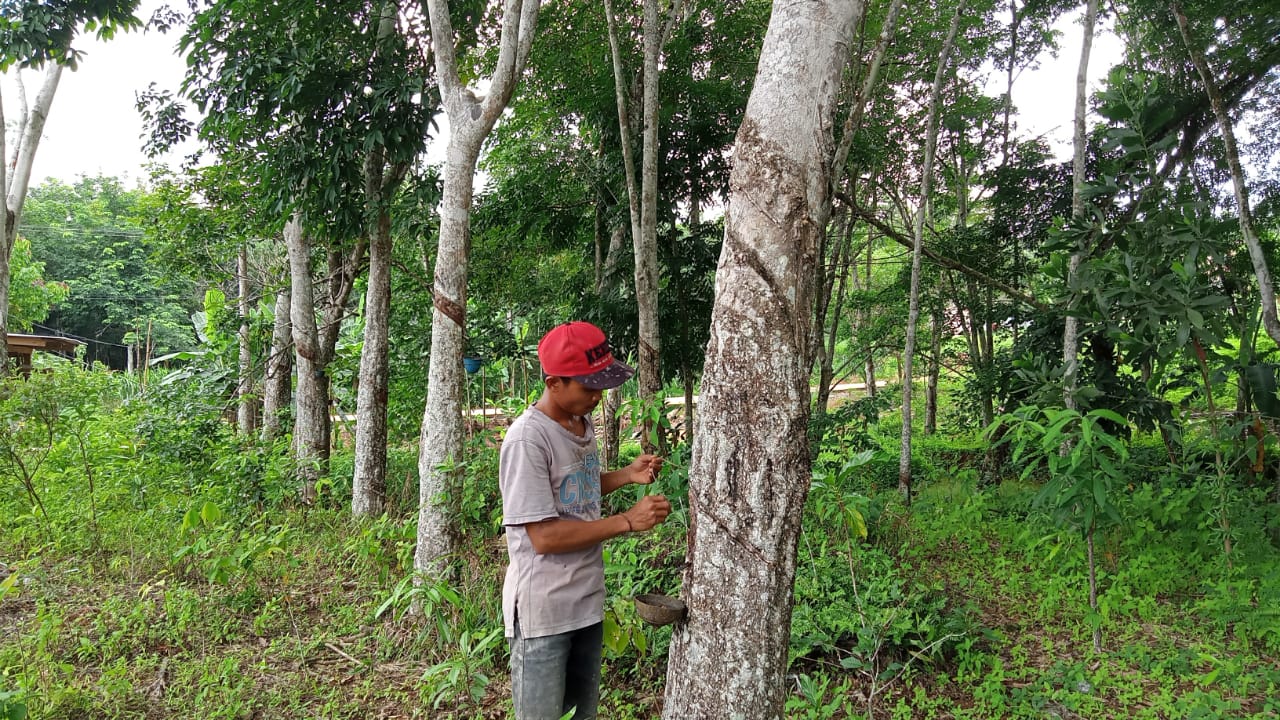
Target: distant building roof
{"x":24,"y":344}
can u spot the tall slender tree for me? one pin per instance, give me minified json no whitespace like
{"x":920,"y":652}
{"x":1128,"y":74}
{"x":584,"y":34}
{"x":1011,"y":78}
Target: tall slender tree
{"x":35,"y":34}
{"x":383,"y":173}
{"x":922,"y":212}
{"x":471,"y":118}
{"x":1071,"y":324}
{"x":1239,"y":185}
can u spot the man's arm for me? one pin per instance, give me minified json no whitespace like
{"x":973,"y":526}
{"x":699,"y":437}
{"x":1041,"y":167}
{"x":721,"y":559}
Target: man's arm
{"x":641,"y":471}
{"x":562,"y":535}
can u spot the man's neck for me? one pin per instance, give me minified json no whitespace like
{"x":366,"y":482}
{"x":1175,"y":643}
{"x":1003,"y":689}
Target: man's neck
{"x":566,"y":419}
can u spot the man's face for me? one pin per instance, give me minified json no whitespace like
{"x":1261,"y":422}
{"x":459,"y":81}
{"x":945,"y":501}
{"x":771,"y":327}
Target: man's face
{"x":573,"y":397}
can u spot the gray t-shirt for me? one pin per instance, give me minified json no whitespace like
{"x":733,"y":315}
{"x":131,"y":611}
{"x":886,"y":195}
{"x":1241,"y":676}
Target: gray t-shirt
{"x":546,"y":472}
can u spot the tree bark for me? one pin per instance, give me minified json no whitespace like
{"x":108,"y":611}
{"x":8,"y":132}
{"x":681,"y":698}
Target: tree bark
{"x":314,"y":344}
{"x":277,"y":385}
{"x":829,"y":308}
{"x":1071,"y":325}
{"x":470,"y":120}
{"x":15,"y":178}
{"x":935,"y":370}
{"x":369,"y":479}
{"x":311,"y":414}
{"x":246,"y":399}
{"x":646,"y":244}
{"x":913,"y":313}
{"x":644,"y":204}
{"x":750,"y":469}
{"x":1266,"y":288}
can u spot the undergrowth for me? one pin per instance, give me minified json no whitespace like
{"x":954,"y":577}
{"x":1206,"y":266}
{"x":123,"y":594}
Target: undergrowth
{"x":153,"y":564}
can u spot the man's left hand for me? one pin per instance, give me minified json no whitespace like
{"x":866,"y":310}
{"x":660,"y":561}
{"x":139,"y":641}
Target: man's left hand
{"x":644,"y":469}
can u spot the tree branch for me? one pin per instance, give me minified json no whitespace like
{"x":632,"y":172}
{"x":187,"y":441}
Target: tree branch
{"x":895,"y":235}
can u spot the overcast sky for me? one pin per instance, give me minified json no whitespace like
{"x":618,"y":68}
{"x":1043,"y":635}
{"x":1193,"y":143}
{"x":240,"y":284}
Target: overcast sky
{"x":94,"y":128}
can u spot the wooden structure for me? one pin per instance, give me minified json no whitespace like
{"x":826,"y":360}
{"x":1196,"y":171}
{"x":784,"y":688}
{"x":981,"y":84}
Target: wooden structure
{"x":21,"y":347}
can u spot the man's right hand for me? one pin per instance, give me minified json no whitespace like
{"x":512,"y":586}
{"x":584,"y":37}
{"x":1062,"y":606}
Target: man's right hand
{"x":651,"y":510}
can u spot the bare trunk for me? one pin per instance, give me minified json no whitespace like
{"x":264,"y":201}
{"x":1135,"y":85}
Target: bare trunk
{"x":854,"y":120}
{"x":609,"y":425}
{"x":869,"y":361}
{"x":246,"y":399}
{"x":643,"y":201}
{"x":1071,"y":331}
{"x":827,"y":345}
{"x":369,"y":480}
{"x":913,"y":314}
{"x":369,"y":476}
{"x":750,"y":470}
{"x":1266,"y":289}
{"x":470,"y":119}
{"x":311,"y":414}
{"x":441,"y":448}
{"x":646,"y":243}
{"x":4,"y":295}
{"x":277,"y":381}
{"x":15,"y":177}
{"x":1093,"y":590}
{"x":935,"y":370}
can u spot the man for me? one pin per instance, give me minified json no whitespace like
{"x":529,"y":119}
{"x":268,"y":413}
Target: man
{"x":551,"y":480}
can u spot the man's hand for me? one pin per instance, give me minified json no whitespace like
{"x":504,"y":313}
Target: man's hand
{"x":644,"y":469}
{"x":651,"y":510}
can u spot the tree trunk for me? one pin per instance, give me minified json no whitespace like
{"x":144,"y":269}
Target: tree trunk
{"x":609,"y":426}
{"x":15,"y":178}
{"x":750,"y":470}
{"x":1071,"y":325}
{"x":869,"y":360}
{"x":829,"y":332}
{"x":1093,"y":589}
{"x":278,"y":376}
{"x":646,"y":243}
{"x":935,"y":370}
{"x":369,"y":480}
{"x":470,"y":120}
{"x":1266,"y":289}
{"x":643,"y":204}
{"x":913,"y":313}
{"x":311,"y":414}
{"x":854,"y":120}
{"x":441,"y":446}
{"x":369,"y":477}
{"x":246,"y":399}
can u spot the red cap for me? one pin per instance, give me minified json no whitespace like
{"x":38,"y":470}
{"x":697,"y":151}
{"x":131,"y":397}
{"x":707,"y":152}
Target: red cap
{"x":579,"y":350}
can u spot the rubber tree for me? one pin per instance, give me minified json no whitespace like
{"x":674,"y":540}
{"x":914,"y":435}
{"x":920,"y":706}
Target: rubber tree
{"x":832,"y":276}
{"x":277,"y":376}
{"x":327,"y":110}
{"x":642,"y":197}
{"x":384,"y":171}
{"x":1239,"y":185}
{"x":750,"y":472}
{"x":922,"y":211}
{"x":471,"y":118}
{"x":1071,"y":324}
{"x":35,"y":34}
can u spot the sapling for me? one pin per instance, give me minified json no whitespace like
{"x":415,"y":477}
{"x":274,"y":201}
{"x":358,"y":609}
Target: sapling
{"x":1086,"y":461}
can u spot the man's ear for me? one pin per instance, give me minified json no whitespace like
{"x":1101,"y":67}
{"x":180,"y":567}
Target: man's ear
{"x":550,"y":381}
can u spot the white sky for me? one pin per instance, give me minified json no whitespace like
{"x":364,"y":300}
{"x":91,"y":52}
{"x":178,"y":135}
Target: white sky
{"x":93,"y":126}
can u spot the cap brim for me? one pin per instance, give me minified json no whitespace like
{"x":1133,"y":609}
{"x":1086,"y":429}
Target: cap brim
{"x":608,"y":378}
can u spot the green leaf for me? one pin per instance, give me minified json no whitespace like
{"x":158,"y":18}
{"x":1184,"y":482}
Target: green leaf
{"x":615,"y":639}
{"x":211,"y":514}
